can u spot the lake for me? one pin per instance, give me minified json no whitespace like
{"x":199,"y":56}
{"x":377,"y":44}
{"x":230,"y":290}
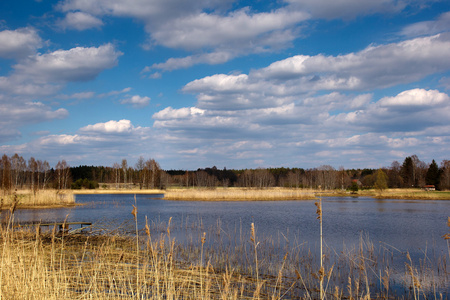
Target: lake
{"x":408,"y":225}
{"x":388,"y":229}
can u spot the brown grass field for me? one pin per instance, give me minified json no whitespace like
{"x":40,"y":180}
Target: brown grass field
{"x":38,"y":199}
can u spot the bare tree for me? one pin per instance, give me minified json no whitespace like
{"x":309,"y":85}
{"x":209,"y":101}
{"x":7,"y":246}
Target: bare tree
{"x":62,"y":174}
{"x":140,"y":165}
{"x":32,"y":168}
{"x":153,"y":171}
{"x":116,"y":168}
{"x":5,"y":169}
{"x":124,"y":169}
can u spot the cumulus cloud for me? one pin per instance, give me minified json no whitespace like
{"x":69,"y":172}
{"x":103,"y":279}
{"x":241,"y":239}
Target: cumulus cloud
{"x":19,"y":43}
{"x":80,"y":21}
{"x":181,"y":113}
{"x":188,"y":61}
{"x":441,"y":24}
{"x":110,"y":127}
{"x":409,"y":111}
{"x":89,"y":143}
{"x":238,"y":28}
{"x":137,"y":101}
{"x":215,"y":34}
{"x":416,"y":99}
{"x":76,"y":64}
{"x":374,"y":67}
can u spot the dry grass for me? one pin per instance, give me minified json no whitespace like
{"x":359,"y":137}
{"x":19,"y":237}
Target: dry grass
{"x":406,"y":194}
{"x":238,"y":194}
{"x":53,"y":265}
{"x":41,"y":198}
{"x":150,"y":265}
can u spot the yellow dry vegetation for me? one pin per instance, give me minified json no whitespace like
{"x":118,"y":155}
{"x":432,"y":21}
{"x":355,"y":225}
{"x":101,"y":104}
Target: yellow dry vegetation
{"x":40,"y":198}
{"x":239,"y":194}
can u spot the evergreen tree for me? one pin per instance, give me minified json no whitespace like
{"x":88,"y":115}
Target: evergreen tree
{"x":433,"y":174}
{"x":407,"y":172}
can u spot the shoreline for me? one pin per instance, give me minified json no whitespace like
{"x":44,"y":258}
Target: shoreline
{"x":217,"y":194}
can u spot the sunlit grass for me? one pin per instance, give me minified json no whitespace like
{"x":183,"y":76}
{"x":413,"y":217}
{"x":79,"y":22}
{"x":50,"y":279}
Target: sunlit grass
{"x":239,"y":194}
{"x":40,"y":198}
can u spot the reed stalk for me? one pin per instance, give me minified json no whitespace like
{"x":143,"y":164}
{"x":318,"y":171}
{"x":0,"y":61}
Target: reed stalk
{"x":321,"y":271}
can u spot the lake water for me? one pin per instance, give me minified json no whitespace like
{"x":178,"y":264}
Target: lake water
{"x":408,"y":225}
{"x":394,"y":226}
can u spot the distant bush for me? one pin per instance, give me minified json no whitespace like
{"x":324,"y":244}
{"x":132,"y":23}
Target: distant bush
{"x":84,"y":184}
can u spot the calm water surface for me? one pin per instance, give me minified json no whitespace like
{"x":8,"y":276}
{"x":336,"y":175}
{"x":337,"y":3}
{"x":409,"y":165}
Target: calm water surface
{"x":406,"y":225}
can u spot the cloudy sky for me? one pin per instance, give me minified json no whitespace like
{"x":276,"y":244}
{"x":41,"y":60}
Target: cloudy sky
{"x":236,"y":84}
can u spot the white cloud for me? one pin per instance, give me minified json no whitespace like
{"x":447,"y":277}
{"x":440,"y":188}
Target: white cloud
{"x":373,"y":67}
{"x":188,"y":61}
{"x":19,"y":43}
{"x":239,"y":28}
{"x":20,"y":85}
{"x":76,"y":64}
{"x":442,"y":24}
{"x":80,"y":21}
{"x":137,"y":101}
{"x":293,"y":79}
{"x":90,"y":143}
{"x":418,"y":98}
{"x":110,"y":127}
{"x":410,"y":111}
{"x":181,"y":113}
{"x":28,"y":113}
{"x":215,"y":34}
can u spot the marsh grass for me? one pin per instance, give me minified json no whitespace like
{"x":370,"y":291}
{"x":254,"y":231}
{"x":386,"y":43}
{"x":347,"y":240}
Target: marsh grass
{"x":40,"y":198}
{"x":210,"y":263}
{"x":237,"y":194}
{"x":406,"y":194}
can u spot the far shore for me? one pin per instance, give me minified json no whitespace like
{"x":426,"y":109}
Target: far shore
{"x":272,"y":194}
{"x":66,"y":198}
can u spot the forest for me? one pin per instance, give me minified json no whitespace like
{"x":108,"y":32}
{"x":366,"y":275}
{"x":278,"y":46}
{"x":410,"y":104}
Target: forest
{"x":18,"y":173}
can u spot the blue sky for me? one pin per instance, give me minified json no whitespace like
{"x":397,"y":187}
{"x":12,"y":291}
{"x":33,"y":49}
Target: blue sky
{"x":235,"y":84}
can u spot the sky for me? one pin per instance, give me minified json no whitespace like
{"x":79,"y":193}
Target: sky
{"x":225,"y":83}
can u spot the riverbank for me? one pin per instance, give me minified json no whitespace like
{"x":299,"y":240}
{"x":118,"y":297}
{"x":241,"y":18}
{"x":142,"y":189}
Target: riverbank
{"x":39,"y":199}
{"x":64,"y":198}
{"x":407,"y":194}
{"x":238,"y":194}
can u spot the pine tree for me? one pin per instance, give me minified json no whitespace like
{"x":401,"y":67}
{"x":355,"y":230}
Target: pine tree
{"x":433,"y":174}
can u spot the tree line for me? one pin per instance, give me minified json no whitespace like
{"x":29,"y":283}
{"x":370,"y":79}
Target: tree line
{"x":17,"y":172}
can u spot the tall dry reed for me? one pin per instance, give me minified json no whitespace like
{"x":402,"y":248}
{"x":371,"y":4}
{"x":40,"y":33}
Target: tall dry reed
{"x":217,"y":264}
{"x":28,"y":198}
{"x":236,"y":194}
